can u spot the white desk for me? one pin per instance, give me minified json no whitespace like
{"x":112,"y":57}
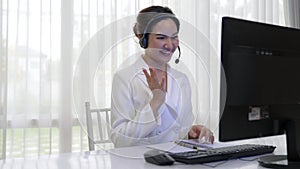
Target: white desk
{"x":125,"y":158}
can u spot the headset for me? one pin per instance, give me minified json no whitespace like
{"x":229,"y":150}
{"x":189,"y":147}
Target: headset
{"x":144,"y":40}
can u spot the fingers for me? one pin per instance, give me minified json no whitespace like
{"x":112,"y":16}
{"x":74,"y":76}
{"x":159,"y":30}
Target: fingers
{"x":202,"y":133}
{"x":206,"y":136}
{"x":194,"y":132}
{"x":146,"y":74}
{"x":153,"y":73}
{"x":153,"y":81}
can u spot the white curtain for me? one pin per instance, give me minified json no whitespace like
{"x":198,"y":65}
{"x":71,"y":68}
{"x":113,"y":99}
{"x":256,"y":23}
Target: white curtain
{"x":292,"y":10}
{"x":55,"y":55}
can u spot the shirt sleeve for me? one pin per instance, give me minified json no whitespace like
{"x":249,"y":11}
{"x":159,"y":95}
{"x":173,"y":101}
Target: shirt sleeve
{"x":129,"y":123}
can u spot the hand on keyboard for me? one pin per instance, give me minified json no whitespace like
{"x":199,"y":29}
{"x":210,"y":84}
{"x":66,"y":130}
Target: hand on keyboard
{"x":202,"y":133}
{"x":204,"y":140}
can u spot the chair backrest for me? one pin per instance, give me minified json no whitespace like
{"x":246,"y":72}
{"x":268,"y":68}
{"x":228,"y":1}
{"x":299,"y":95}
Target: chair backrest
{"x":98,"y":125}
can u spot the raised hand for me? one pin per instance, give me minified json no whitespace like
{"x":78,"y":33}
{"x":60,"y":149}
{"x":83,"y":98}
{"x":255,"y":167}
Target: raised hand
{"x":153,"y":81}
{"x":158,"y":89}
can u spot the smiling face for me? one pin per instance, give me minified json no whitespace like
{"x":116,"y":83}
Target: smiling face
{"x":162,"y":43}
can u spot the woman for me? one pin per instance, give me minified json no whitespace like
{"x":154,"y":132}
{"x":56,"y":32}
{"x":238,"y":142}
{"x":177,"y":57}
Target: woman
{"x":151,"y":101}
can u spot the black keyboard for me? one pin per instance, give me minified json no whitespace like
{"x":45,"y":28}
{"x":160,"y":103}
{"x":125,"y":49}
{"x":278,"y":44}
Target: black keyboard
{"x":220,"y":154}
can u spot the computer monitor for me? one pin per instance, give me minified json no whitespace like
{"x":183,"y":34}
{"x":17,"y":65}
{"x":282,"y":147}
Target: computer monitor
{"x":260,"y":85}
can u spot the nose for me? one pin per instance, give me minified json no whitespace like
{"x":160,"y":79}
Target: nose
{"x":168,"y":43}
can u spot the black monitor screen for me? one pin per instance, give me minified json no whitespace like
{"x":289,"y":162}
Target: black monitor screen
{"x":260,"y":82}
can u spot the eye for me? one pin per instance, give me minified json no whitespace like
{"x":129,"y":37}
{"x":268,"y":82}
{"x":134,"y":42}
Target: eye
{"x":175,"y":37}
{"x":161,"y":37}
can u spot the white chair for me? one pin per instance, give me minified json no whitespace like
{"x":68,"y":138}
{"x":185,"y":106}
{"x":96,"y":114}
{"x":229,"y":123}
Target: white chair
{"x":98,"y":127}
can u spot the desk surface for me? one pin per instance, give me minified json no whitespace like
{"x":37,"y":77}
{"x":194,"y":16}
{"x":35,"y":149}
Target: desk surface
{"x":123,"y":158}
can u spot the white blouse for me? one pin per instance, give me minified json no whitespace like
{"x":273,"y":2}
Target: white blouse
{"x":133,"y":122}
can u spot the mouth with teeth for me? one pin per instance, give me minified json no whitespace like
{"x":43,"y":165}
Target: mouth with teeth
{"x":166,"y":52}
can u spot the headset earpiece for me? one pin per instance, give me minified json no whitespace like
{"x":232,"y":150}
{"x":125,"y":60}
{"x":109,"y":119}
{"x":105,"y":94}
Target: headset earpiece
{"x":144,"y":41}
{"x":177,"y":60}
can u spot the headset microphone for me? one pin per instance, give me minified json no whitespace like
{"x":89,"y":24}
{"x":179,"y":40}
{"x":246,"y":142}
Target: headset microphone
{"x":177,"y":60}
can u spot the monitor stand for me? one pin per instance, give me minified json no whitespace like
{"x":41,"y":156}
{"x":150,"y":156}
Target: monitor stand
{"x":292,"y":160}
{"x":278,"y":161}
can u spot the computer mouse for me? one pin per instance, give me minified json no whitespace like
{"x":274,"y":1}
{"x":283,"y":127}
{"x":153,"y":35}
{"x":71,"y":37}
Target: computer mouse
{"x":158,"y":157}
